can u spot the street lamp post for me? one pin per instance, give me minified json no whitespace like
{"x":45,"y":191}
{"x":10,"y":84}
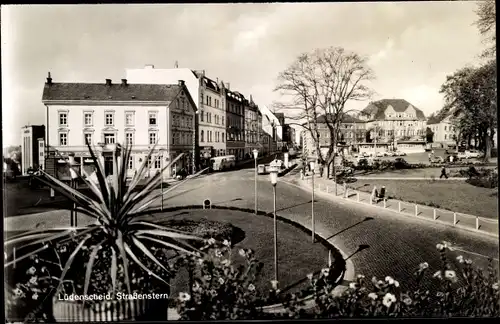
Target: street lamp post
{"x":161,"y":183}
{"x":255,"y":156}
{"x":274,"y":180}
{"x":312,"y":164}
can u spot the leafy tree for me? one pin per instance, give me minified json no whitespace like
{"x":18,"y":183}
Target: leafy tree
{"x":470,"y":96}
{"x":320,"y":83}
{"x":486,"y":23}
{"x":429,"y":135}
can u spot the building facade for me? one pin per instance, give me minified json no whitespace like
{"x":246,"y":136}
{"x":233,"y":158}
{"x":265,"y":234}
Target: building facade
{"x":252,"y":140}
{"x":444,"y":132}
{"x":107,"y":115}
{"x":390,"y":120}
{"x":235,"y":123}
{"x":32,"y":156}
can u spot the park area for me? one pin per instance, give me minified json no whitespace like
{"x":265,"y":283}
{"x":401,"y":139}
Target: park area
{"x":454,"y":195}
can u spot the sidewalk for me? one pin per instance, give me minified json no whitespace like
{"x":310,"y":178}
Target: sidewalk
{"x":458,"y":220}
{"x":409,"y":178}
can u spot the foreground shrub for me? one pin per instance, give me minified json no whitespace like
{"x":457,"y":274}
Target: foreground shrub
{"x":220,"y":292}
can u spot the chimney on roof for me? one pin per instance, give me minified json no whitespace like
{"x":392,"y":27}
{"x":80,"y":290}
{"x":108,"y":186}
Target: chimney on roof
{"x":176,"y":65}
{"x":149,"y":66}
{"x":227,"y":86}
{"x":181,"y":83}
{"x":108,"y":82}
{"x":124,"y":82}
{"x":49,"y":79}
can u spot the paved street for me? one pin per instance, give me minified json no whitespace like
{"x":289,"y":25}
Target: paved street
{"x":396,"y":245}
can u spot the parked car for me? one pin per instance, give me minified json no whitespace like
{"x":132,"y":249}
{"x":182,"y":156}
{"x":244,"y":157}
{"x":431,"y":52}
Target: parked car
{"x":380,"y":154}
{"x":462,"y":155}
{"x":364,"y":154}
{"x":437,"y":159}
{"x":399,"y":153}
{"x":473,"y":154}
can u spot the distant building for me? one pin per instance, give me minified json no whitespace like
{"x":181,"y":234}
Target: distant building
{"x":235,"y":121}
{"x":252,"y":139}
{"x":444,"y":131}
{"x":392,"y":120}
{"x":105,"y":114}
{"x":32,"y":155}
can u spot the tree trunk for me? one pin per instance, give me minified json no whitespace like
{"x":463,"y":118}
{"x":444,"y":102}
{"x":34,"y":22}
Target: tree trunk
{"x":487,"y":150}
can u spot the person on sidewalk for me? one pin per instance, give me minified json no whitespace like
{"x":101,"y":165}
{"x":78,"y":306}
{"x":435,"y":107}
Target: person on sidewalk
{"x":443,"y":173}
{"x":381,"y":195}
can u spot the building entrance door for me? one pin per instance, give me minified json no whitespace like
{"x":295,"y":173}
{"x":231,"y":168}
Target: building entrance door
{"x":108,"y":165}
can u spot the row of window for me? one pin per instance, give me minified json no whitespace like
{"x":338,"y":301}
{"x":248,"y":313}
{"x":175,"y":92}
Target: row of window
{"x":182,"y":138}
{"x":109,"y":138}
{"x":109,"y":118}
{"x":234,"y":108}
{"x":208,"y":102}
{"x":182,"y":121}
{"x":207,"y":116}
{"x":219,"y":136}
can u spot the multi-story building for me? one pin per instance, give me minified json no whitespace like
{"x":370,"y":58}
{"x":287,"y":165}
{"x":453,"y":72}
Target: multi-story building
{"x":444,"y":131}
{"x":252,"y":140}
{"x":235,"y":122}
{"x":32,"y":155}
{"x":210,"y":104}
{"x":270,"y":127}
{"x":107,"y":114}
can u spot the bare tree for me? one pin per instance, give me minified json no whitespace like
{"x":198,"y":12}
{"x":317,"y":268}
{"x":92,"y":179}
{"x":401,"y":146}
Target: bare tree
{"x":320,"y":83}
{"x":486,"y":23}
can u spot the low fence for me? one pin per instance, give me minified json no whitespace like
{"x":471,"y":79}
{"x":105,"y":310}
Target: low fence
{"x":456,"y":219}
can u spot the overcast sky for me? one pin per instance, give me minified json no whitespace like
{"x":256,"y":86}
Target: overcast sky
{"x":411,"y":46}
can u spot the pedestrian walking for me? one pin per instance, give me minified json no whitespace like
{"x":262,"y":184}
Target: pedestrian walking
{"x":374,"y":194}
{"x":443,"y":173}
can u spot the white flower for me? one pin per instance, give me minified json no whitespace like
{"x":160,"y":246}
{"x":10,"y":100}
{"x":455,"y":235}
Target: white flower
{"x":63,"y":249}
{"x":373,"y":295}
{"x":424,"y":265}
{"x":251,"y":287}
{"x":460,"y":259}
{"x":388,"y":300}
{"x":18,"y":292}
{"x":361,"y":276}
{"x":468,"y":261}
{"x":211,"y":241}
{"x":184,"y":296}
{"x":407,"y":301}
{"x":226,"y":262}
{"x":450,"y":274}
{"x":196,"y":287}
{"x":440,"y":247}
{"x":226,"y":243}
{"x":201,"y":261}
{"x":221,"y":281}
{"x":495,"y":286}
{"x":35,"y":296}
{"x":439,"y":294}
{"x":207,"y":277}
{"x":389,"y":280}
{"x":274,"y":284}
{"x":218,"y":253}
{"x":33,"y":280}
{"x":437,"y":275}
{"x":31,"y":270}
{"x":213,"y":292}
{"x":242,"y":252}
{"x":396,"y":283}
{"x":380,"y":283}
{"x":310,"y":276}
{"x":352,"y":285}
{"x":325,"y":272}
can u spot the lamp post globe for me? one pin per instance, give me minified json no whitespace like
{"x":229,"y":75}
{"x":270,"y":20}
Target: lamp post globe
{"x":255,"y":153}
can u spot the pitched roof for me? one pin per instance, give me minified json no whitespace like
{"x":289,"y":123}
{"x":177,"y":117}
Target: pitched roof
{"x":378,"y":108}
{"x":113,"y":92}
{"x":433,"y":120}
{"x":209,"y":83}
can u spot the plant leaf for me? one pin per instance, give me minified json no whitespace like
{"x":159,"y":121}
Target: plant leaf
{"x":114,"y":269}
{"x":26,"y":256}
{"x":121,"y":248}
{"x":70,"y":261}
{"x":90,"y":265}
{"x":136,"y":260}
{"x":170,"y":234}
{"x":167,"y":244}
{"x":148,"y":253}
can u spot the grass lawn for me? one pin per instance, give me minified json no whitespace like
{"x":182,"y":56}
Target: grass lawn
{"x":457,"y":196}
{"x":414,"y":173}
{"x":297,"y":256}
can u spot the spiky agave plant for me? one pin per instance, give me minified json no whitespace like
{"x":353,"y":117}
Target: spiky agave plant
{"x":118,"y":209}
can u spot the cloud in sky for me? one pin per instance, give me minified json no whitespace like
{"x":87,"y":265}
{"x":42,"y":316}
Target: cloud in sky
{"x":411,"y":46}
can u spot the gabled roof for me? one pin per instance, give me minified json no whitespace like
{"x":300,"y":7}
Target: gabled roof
{"x":113,"y":92}
{"x":378,"y":108}
{"x":433,"y":120}
{"x":345,"y":119}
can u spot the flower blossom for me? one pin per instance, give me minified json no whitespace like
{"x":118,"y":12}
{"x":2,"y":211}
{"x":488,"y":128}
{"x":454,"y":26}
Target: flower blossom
{"x":251,"y":287}
{"x":450,"y":274}
{"x":242,"y":252}
{"x":218,"y":253}
{"x":31,"y":270}
{"x":407,"y":301}
{"x":389,"y":280}
{"x":18,"y":292}
{"x":460,"y":259}
{"x":310,"y":276}
{"x":221,"y":281}
{"x":201,"y":261}
{"x":325,"y":272}
{"x":226,"y":262}
{"x":184,"y":297}
{"x":352,"y":285}
{"x":388,"y":300}
{"x":274,"y":284}
{"x":35,"y":296}
{"x":440,"y":247}
{"x":226,"y":243}
{"x":33,"y":280}
{"x":373,"y":295}
{"x":396,"y":283}
{"x":361,"y":276}
{"x":424,"y":265}
{"x":495,"y":286}
{"x":211,"y":241}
